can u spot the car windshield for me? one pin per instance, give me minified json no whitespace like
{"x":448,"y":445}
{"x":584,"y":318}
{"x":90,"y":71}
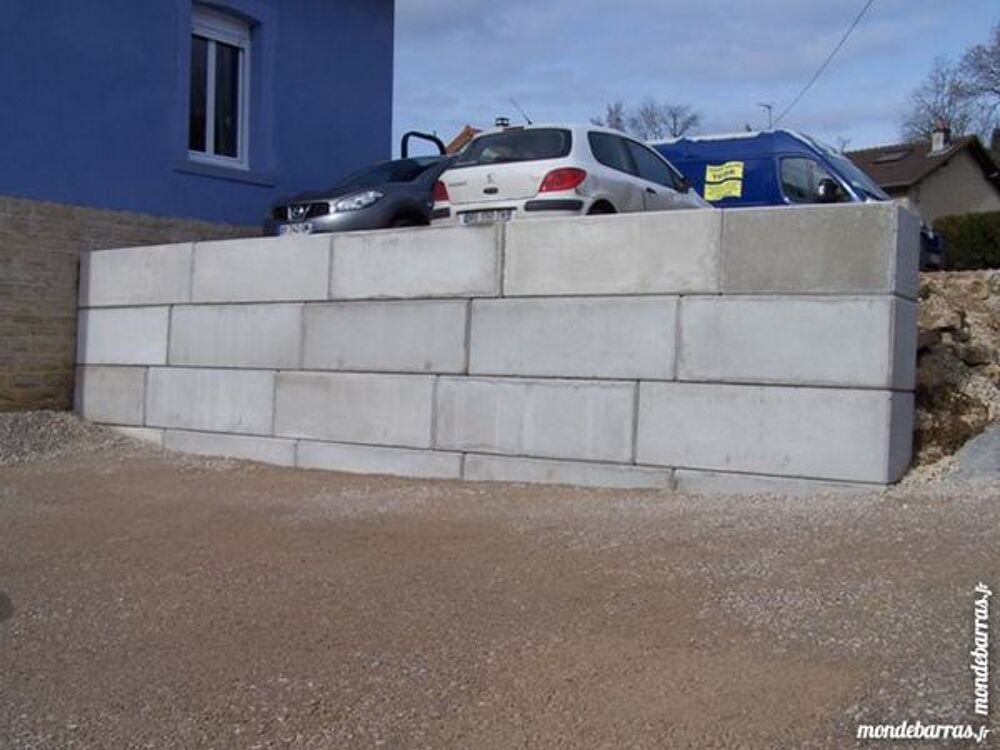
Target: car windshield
{"x":516,"y":145}
{"x":400,"y":170}
{"x":850,"y":172}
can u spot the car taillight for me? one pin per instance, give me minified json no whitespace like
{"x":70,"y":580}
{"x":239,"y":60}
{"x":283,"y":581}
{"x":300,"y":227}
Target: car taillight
{"x":440,"y":192}
{"x":566,"y":178}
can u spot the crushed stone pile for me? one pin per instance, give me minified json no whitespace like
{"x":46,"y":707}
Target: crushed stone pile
{"x":958,"y":368}
{"x":35,"y":435}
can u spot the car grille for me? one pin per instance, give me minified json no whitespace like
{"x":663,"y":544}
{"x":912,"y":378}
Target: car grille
{"x":300,"y":211}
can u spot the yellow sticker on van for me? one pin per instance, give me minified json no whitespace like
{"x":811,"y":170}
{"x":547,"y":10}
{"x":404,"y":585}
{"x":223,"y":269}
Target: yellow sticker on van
{"x":720,"y":172}
{"x":719,"y":190}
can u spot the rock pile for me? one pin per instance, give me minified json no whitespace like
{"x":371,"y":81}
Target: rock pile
{"x":958,"y":370}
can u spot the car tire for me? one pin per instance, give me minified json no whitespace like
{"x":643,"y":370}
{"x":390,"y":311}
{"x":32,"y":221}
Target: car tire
{"x":601,"y":208}
{"x":402,"y":221}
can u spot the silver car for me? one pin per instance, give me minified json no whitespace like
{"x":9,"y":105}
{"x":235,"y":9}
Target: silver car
{"x":397,"y":193}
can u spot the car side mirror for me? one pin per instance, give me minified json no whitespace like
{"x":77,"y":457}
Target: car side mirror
{"x":683,"y":184}
{"x":828,"y":191}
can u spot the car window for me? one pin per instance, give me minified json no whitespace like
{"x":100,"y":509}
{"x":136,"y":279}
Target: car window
{"x":651,"y":167}
{"x":611,"y":151}
{"x":400,"y":170}
{"x":516,"y":145}
{"x":800,"y":177}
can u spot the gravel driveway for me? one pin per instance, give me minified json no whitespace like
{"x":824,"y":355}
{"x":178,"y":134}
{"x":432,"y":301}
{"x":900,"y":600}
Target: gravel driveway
{"x":153,"y":600}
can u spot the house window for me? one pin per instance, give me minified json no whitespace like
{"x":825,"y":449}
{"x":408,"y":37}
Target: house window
{"x":220,"y":71}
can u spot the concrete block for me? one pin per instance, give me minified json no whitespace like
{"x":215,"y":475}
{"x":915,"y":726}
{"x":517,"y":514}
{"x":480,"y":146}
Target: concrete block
{"x":852,"y":341}
{"x":114,"y":395}
{"x":122,"y":336}
{"x":813,"y":433}
{"x":424,"y":336}
{"x":536,"y":418}
{"x":155,"y":275}
{"x":593,"y":337}
{"x":726,"y":483}
{"x":422,"y":262}
{"x":264,"y":449}
{"x":392,"y":410}
{"x":236,"y":335}
{"x":364,"y":459}
{"x":481,"y":468}
{"x":267,"y":269}
{"x":666,"y":252}
{"x":839,"y":249}
{"x":150,"y":435}
{"x":239,"y":401}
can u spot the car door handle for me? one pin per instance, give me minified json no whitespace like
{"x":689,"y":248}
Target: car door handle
{"x":650,"y":191}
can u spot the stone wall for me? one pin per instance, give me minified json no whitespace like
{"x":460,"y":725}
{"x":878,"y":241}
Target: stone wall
{"x":39,"y":250}
{"x":703,"y":349}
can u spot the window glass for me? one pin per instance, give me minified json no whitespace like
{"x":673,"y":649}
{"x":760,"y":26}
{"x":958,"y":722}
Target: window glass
{"x":400,"y":170}
{"x":217,"y":128}
{"x":199,"y":80}
{"x":651,"y":167}
{"x":516,"y":145}
{"x":227,"y":98}
{"x":610,"y":150}
{"x":800,"y":178}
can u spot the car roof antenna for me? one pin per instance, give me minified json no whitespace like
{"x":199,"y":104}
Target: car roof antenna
{"x":521,"y":110}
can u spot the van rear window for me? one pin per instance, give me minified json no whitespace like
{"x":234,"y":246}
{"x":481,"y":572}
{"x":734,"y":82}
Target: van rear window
{"x":516,"y":145}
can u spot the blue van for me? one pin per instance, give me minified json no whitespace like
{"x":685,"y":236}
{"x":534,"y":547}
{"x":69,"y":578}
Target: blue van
{"x":776,"y":168}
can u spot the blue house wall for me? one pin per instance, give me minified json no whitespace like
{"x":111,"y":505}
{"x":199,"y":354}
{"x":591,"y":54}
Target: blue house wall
{"x":94,"y":100}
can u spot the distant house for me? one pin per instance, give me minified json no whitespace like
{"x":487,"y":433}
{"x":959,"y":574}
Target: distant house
{"x":138,"y":123}
{"x":936,"y":178}
{"x":457,"y":143}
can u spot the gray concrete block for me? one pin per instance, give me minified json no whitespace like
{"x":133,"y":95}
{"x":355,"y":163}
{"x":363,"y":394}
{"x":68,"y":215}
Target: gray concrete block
{"x":264,"y":449}
{"x":151,"y":435}
{"x":236,"y":335}
{"x":421,"y":262}
{"x":725,"y":483}
{"x":364,"y":459}
{"x":122,"y":336}
{"x":839,"y":249}
{"x":424,"y":336}
{"x":268,"y":269}
{"x":651,"y":253}
{"x":593,"y":337}
{"x":536,"y":418}
{"x":392,"y":410}
{"x":904,"y":345}
{"x":798,"y":340}
{"x":482,"y":468}
{"x":820,"y":433}
{"x":239,"y":401}
{"x":155,"y":275}
{"x":114,"y":395}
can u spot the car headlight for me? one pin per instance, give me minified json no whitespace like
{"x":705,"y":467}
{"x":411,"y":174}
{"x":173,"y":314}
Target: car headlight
{"x":357,"y":201}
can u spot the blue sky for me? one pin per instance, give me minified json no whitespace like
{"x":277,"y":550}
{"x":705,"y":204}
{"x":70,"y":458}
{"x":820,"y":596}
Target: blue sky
{"x":460,"y":61}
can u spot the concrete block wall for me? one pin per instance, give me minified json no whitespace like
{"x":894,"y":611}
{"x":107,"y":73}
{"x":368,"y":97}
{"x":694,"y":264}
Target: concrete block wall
{"x":40,"y":245}
{"x":699,"y":349}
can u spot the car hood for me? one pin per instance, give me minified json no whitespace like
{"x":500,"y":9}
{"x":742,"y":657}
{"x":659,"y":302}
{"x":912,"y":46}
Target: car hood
{"x":337,"y":191}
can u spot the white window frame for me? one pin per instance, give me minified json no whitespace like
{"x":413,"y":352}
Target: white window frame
{"x":219,"y":27}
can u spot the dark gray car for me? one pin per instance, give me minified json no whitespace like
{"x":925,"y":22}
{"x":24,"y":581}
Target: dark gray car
{"x":397,"y":193}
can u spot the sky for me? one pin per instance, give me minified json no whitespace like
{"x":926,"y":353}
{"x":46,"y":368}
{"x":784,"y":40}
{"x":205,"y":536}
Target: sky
{"x":461,"y":61}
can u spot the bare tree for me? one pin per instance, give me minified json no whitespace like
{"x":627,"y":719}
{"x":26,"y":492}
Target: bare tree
{"x":651,"y":121}
{"x":981,"y":73}
{"x":942,"y":97}
{"x":614,"y":117}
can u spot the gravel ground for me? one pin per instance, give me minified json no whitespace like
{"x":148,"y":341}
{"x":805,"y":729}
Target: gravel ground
{"x":152,"y":600}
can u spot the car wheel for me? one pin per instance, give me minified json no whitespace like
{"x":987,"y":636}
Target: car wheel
{"x":601,"y":207}
{"x":402,"y":221}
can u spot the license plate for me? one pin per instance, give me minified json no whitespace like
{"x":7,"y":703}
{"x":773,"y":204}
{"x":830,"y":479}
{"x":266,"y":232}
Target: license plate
{"x":304,"y":227}
{"x":486,"y":217}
